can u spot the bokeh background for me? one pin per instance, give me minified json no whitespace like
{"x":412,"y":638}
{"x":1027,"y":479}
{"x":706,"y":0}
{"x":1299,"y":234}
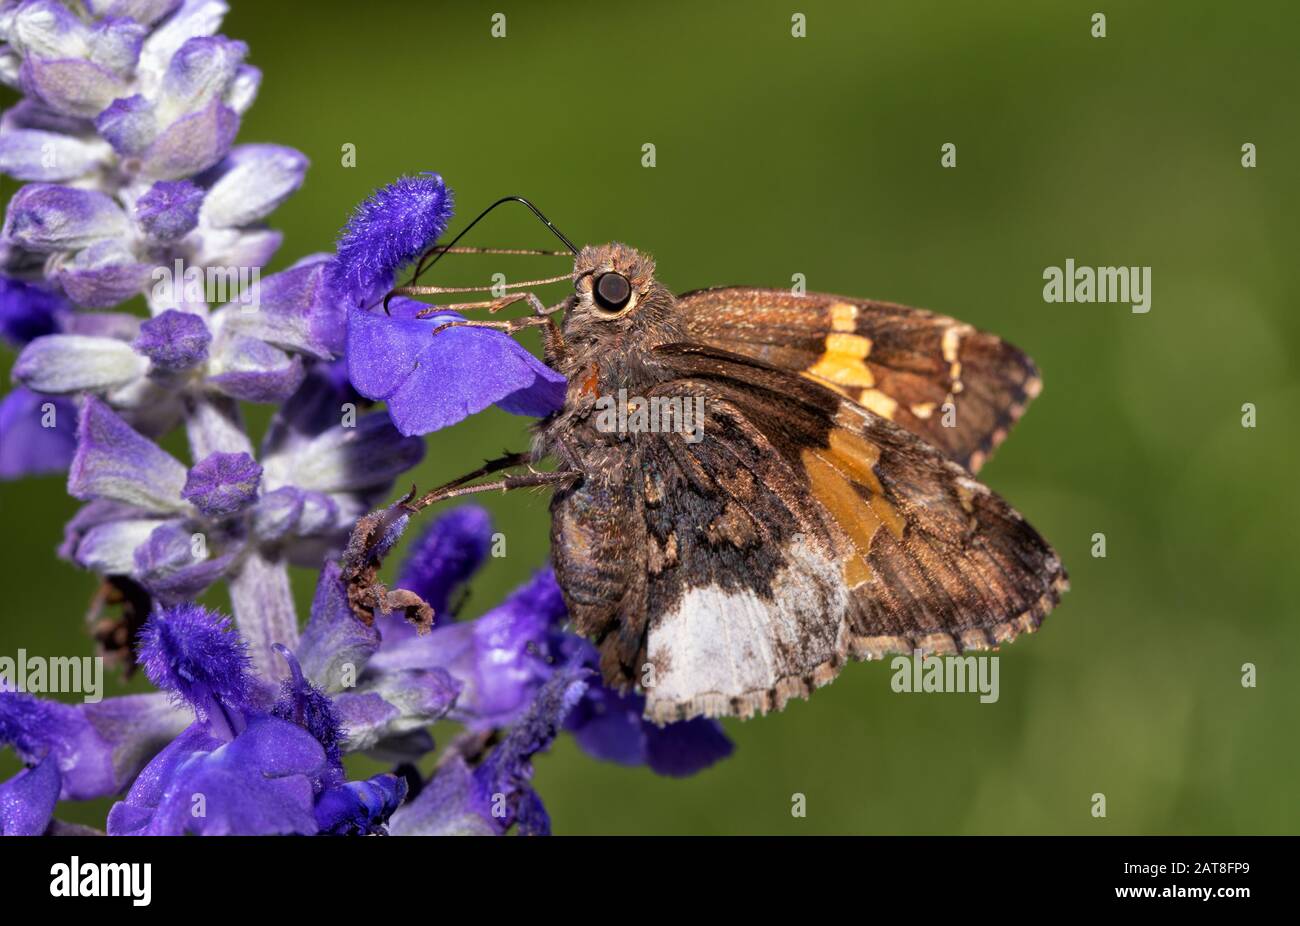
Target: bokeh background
{"x":820,"y":156}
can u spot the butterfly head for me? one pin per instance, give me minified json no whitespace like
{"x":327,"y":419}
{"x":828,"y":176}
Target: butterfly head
{"x":614,"y":283}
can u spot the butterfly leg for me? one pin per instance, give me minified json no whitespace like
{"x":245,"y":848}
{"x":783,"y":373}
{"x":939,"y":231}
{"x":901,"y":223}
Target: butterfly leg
{"x":361,"y":562}
{"x":492,"y":305}
{"x":552,"y":340}
{"x":513,"y":326}
{"x":508,"y":461}
{"x":530,"y":479}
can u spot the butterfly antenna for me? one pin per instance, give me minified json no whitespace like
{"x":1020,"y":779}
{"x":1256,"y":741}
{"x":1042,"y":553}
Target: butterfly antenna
{"x":437,"y":251}
{"x":421,"y":267}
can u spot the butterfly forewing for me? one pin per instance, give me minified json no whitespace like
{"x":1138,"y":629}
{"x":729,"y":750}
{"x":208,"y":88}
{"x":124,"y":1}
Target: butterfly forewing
{"x":958,"y":388}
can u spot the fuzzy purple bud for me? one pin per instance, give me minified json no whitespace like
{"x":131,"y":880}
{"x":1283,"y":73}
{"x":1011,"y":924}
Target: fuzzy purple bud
{"x":174,"y":340}
{"x":222,"y":484}
{"x":391,"y":228}
{"x":170,"y":209}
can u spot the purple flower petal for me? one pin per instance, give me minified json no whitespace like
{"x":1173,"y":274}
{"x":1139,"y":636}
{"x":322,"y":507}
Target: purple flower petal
{"x":303,"y":703}
{"x":28,"y":311}
{"x":318,"y":405}
{"x":296,"y":311}
{"x":292,"y":512}
{"x":501,"y":657}
{"x":391,"y":704}
{"x":222,"y":484}
{"x":142,"y":11}
{"x":95,"y":514}
{"x":122,"y":326}
{"x":44,"y":217}
{"x":608,"y":726}
{"x":45,"y":28}
{"x":260,"y":783}
{"x":174,"y":340}
{"x":686,"y":747}
{"x":431,"y":382}
{"x":446,"y":806}
{"x":170,"y":209}
{"x":242,"y":90}
{"x":115,"y":462}
{"x":27,"y":800}
{"x":391,"y":228}
{"x":507,"y":771}
{"x":166,"y":563}
{"x":98,"y":746}
{"x":368,"y":455}
{"x":199,"y":71}
{"x":37,"y":434}
{"x":115,"y":44}
{"x":30,"y":114}
{"x":191,"y":18}
{"x":110,"y":549}
{"x":235,"y":247}
{"x":135,"y":728}
{"x":360,"y":808}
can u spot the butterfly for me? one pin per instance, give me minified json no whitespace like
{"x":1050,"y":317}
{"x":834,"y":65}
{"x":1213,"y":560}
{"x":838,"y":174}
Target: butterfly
{"x":822,"y":506}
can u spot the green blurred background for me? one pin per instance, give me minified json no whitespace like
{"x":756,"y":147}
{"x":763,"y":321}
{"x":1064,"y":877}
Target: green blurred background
{"x":820,"y":156}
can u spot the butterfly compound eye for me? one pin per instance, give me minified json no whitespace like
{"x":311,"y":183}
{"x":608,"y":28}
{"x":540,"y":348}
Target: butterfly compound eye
{"x":612,"y":291}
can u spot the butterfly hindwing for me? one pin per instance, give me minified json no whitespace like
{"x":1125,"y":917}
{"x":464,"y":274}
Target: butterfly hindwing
{"x":800,"y":531}
{"x":958,"y":388}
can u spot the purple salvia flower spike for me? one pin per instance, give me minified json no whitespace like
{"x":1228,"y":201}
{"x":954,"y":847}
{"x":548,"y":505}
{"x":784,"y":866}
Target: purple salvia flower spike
{"x":140,"y":101}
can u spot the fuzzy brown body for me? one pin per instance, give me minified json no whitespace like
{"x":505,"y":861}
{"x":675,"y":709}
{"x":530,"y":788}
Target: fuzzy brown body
{"x":826,"y":510}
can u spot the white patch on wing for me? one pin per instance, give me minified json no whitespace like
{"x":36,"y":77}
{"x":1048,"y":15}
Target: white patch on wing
{"x":721,"y":644}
